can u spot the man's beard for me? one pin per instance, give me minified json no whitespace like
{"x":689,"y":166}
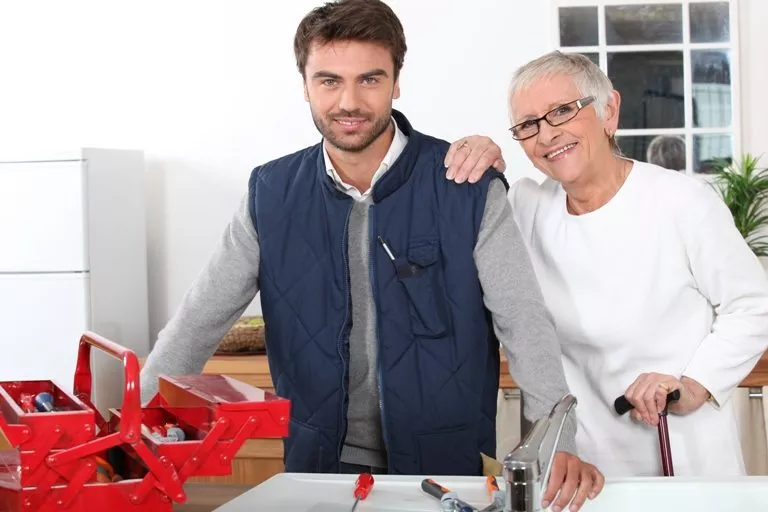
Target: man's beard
{"x":323,"y":125}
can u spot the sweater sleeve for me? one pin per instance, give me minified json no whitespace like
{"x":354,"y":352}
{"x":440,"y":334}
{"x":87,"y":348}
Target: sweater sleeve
{"x":732,"y":278}
{"x":214,"y":302}
{"x":521,"y":320}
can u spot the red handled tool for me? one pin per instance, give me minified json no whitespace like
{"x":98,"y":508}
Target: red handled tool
{"x":447,"y":497}
{"x":363,"y":487}
{"x":497,"y":495}
{"x":623,"y":406}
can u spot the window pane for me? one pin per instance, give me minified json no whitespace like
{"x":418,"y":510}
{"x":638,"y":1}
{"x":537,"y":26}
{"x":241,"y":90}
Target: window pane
{"x":578,"y":26}
{"x":711,"y":88}
{"x":710,"y":22}
{"x":634,"y":147}
{"x":665,"y":150}
{"x":651,"y":88}
{"x":644,"y":24}
{"x":707,"y":148}
{"x":594,"y":57}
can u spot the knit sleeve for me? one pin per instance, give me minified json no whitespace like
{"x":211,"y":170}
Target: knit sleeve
{"x":521,"y":320}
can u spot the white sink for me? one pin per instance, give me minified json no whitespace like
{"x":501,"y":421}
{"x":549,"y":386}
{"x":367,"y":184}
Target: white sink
{"x":298,"y":492}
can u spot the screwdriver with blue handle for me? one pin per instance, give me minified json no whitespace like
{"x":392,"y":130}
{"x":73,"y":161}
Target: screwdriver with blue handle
{"x":363,"y":487}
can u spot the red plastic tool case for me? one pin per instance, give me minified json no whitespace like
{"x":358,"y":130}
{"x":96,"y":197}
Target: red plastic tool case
{"x":53,"y":459}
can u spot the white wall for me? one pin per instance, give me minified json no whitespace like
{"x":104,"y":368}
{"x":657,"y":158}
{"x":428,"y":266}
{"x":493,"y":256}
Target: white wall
{"x":753,"y":40}
{"x":210,"y":90}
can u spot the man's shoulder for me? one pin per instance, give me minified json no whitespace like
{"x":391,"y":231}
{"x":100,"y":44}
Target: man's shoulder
{"x":304,"y":158}
{"x":434,"y":148}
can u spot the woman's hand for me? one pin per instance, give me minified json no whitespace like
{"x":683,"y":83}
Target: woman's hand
{"x":470,"y":157}
{"x":648,"y":395}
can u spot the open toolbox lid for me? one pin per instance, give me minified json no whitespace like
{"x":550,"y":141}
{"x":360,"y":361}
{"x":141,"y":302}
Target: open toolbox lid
{"x":217,"y":390}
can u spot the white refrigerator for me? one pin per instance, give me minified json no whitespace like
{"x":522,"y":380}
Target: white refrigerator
{"x":72,"y":258}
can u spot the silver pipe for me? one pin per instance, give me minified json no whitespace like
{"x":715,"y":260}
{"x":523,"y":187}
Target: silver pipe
{"x":756,"y":393}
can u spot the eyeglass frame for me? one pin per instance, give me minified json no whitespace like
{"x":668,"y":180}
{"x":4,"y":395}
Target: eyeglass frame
{"x":580,"y":104}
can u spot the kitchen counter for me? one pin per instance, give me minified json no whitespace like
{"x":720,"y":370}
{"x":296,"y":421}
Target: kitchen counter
{"x":254,"y":370}
{"x":400,"y":493}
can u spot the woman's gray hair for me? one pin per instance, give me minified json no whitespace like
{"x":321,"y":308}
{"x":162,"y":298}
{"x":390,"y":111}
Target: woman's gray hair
{"x":588,"y":78}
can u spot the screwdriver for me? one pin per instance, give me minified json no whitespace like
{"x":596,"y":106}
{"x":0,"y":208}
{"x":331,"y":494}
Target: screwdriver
{"x":363,"y":487}
{"x":448,"y":498}
{"x":497,"y":495}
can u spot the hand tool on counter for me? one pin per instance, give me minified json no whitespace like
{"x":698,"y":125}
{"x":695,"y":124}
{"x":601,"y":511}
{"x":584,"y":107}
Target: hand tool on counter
{"x":623,"y":406}
{"x":497,"y":495}
{"x":363,"y":487}
{"x":449,"y":500}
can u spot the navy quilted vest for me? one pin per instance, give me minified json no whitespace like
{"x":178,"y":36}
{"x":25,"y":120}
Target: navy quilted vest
{"x":438,"y":358}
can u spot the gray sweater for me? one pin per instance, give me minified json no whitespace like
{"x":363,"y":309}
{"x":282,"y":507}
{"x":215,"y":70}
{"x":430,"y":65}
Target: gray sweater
{"x":228,"y":284}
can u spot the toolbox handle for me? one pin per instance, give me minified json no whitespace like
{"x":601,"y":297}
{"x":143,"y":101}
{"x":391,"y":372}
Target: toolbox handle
{"x":130,"y":412}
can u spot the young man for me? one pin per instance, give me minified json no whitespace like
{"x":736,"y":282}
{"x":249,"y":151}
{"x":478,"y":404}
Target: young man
{"x":385,"y":287}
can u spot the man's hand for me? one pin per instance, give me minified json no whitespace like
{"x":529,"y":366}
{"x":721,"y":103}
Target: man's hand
{"x":648,"y":394}
{"x":575,"y":480}
{"x":469,"y":157}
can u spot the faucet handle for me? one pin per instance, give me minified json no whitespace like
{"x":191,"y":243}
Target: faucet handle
{"x":528,"y":466}
{"x":555,"y":423}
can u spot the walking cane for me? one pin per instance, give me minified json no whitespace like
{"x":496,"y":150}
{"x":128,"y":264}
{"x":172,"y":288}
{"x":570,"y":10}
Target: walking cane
{"x":623,"y":406}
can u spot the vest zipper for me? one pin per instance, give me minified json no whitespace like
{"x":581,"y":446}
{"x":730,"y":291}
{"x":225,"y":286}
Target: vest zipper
{"x":374,"y":292}
{"x":340,"y":340}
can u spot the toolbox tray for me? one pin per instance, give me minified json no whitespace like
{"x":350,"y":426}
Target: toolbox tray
{"x":66,"y":459}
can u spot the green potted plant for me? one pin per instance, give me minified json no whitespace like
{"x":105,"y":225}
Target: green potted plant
{"x":744,"y":188}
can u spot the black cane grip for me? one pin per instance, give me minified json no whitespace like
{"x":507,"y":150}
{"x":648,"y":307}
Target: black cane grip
{"x":623,"y":406}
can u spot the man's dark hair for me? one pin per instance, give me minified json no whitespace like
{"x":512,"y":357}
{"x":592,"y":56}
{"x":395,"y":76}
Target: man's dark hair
{"x":370,"y":21}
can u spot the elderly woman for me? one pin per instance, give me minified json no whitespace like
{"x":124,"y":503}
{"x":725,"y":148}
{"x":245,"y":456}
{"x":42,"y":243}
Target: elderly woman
{"x":651,"y":287}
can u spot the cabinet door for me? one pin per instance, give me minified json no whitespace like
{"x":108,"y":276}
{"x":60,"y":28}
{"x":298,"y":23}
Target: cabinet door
{"x":42,"y":318}
{"x":42,"y":217}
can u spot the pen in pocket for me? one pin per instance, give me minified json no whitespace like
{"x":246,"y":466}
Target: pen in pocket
{"x":386,"y":248}
{"x":404,"y":269}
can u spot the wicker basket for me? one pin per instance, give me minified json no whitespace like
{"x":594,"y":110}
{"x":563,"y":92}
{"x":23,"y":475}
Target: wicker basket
{"x":246,"y":336}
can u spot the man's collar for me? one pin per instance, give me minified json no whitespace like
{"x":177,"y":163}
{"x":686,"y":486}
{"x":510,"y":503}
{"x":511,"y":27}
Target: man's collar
{"x":399,"y":141}
{"x":397,"y":174}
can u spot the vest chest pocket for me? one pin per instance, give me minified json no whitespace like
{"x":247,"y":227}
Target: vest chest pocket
{"x":419,"y":274}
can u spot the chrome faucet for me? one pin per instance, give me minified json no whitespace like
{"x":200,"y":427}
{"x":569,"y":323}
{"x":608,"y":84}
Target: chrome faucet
{"x":527,"y":467}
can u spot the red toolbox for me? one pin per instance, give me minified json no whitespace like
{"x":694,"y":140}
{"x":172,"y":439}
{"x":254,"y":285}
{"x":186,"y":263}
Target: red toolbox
{"x":64,"y":455}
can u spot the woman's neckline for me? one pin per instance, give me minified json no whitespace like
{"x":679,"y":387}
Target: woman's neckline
{"x":616,"y":198}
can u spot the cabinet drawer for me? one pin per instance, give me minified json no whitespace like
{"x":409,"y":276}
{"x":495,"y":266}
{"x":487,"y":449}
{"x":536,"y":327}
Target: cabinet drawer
{"x":42,"y":217}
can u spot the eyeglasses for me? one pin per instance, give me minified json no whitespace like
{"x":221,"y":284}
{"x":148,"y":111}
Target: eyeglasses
{"x":555,"y":117}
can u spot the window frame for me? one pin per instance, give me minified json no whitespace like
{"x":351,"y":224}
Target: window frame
{"x":688,"y":131}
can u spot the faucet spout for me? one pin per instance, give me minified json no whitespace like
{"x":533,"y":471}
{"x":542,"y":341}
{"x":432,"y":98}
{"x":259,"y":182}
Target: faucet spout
{"x":527,"y":467}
